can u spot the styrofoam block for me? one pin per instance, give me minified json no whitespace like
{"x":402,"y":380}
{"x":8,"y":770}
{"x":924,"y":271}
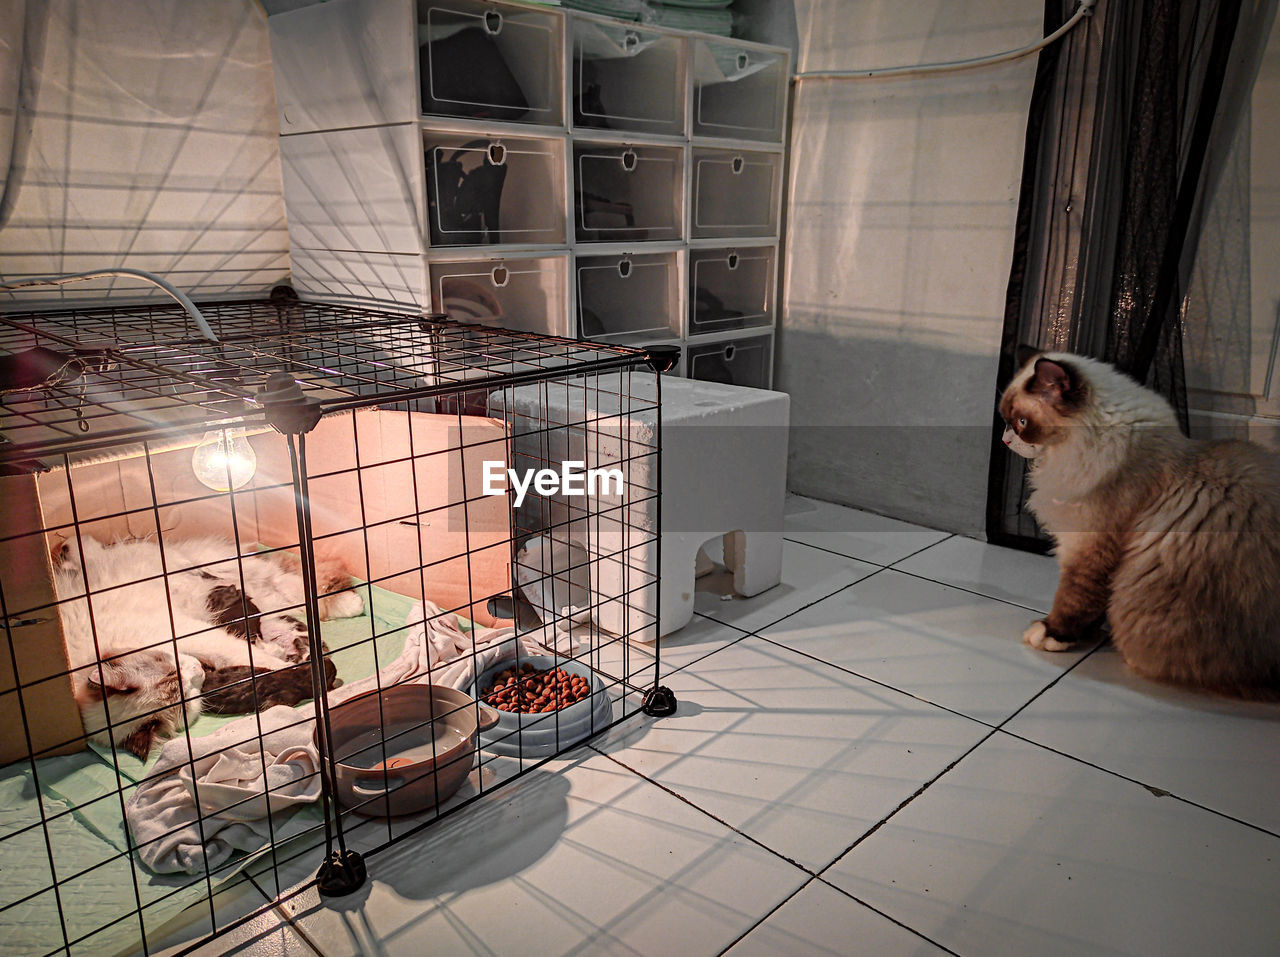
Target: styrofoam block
{"x":724,"y":454}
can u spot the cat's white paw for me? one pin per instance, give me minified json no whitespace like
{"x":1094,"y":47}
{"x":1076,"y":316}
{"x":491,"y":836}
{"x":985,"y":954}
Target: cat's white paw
{"x":344,"y":604}
{"x":1037,"y":636}
{"x":191,"y":679}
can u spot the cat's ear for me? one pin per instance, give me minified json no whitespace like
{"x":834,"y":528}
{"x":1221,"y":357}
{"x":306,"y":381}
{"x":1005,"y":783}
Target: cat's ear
{"x":112,"y":679}
{"x":1025,"y":354}
{"x":1057,"y":382}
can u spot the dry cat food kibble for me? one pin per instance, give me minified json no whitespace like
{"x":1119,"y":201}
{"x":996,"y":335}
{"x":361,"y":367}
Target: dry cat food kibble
{"x":530,"y":691}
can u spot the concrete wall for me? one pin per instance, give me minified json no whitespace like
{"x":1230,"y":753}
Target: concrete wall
{"x":900,"y":233}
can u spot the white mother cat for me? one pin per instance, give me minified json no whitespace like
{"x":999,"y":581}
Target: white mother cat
{"x":120,"y":639}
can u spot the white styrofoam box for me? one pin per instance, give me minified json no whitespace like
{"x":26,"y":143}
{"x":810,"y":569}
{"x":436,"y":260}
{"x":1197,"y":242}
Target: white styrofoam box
{"x":627,"y":192}
{"x":723,"y":474}
{"x":630,"y":297}
{"x":344,"y":64}
{"x":357,"y":277}
{"x":527,"y":293}
{"x":745,"y":362}
{"x":627,"y":78}
{"x":492,"y":61}
{"x":739,"y":91}
{"x":731,"y":288}
{"x":354,"y":189}
{"x":735,"y":193}
{"x":485,"y":190}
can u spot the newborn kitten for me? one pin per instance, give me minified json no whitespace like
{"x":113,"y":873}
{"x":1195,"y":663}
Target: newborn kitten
{"x":1174,"y":542}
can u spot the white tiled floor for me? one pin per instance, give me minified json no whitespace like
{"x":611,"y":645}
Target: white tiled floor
{"x":865,"y":760}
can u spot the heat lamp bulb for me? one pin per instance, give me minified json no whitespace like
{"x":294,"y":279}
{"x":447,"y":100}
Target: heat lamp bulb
{"x":224,"y":456}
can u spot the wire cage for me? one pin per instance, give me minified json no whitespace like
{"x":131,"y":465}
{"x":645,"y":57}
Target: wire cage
{"x":278,"y":594}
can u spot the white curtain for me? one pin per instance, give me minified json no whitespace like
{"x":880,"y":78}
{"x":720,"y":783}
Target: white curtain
{"x":144,"y":135}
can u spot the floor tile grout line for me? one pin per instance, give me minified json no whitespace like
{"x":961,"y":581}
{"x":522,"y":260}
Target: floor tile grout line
{"x":857,"y":581}
{"x":280,"y":910}
{"x":868,"y":561}
{"x":839,"y":890}
{"x":1097,"y":767}
{"x":701,"y":810}
{"x":877,"y":681}
{"x":968,"y":591}
{"x":1155,"y":789}
{"x":886,"y":916}
{"x":993,"y":730}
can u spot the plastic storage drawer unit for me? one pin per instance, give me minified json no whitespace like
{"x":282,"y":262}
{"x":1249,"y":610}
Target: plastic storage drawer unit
{"x":490,"y":61}
{"x":626,"y":78}
{"x":628,"y":297}
{"x":747,"y":362}
{"x":527,"y":293}
{"x":739,"y":92}
{"x":626,"y":193}
{"x":488,"y":190}
{"x":735,"y":193}
{"x":730,"y":289}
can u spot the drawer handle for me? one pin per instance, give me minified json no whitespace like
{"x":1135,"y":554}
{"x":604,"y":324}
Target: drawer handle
{"x":629,"y":160}
{"x":493,"y":23}
{"x":737,"y":165}
{"x":733,"y":260}
{"x":500,"y":276}
{"x":729,"y":352}
{"x":744,"y":61}
{"x":624,"y":268}
{"x":497,"y":154}
{"x":631,"y":43}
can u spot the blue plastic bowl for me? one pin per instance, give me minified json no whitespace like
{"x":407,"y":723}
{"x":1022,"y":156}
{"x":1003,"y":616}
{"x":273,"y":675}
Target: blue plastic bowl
{"x":536,"y":735}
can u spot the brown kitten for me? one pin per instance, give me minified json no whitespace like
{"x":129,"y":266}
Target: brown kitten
{"x":229,"y":690}
{"x":1174,"y":542}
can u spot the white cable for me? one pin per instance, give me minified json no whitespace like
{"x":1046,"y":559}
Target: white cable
{"x":176,"y":293}
{"x":1085,"y":9}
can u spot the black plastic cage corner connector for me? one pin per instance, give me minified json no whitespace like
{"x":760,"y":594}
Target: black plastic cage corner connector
{"x":342,"y":873}
{"x":288,"y":409}
{"x":659,"y":702}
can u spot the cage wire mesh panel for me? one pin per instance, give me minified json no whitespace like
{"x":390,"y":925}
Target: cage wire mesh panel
{"x":277,"y":600}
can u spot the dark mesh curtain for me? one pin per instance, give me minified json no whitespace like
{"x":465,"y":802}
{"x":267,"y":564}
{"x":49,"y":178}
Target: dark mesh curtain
{"x":1130,"y":117}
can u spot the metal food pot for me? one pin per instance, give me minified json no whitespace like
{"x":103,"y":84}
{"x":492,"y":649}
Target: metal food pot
{"x":405,"y":749}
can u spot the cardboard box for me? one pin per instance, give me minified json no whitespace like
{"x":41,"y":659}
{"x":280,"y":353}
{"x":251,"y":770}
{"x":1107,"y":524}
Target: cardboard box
{"x":395,"y":495}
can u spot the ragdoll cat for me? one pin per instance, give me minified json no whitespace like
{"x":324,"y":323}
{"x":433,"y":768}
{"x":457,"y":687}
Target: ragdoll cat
{"x":133,"y":673}
{"x":1174,"y":542}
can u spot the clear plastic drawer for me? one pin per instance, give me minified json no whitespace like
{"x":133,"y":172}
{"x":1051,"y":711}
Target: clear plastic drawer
{"x":625,"y":193}
{"x":731,"y":289}
{"x":735,"y":193}
{"x":490,"y":61}
{"x":485,"y":190}
{"x":627,"y":78}
{"x":528,"y":294}
{"x":739,"y":92}
{"x":747,"y":362}
{"x":633,"y":297}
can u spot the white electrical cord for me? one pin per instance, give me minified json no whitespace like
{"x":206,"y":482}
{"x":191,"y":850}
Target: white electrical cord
{"x":196,"y":315}
{"x":1085,"y":9}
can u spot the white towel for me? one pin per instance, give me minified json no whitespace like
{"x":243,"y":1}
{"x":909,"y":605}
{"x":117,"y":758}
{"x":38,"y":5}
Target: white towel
{"x":241,"y":776}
